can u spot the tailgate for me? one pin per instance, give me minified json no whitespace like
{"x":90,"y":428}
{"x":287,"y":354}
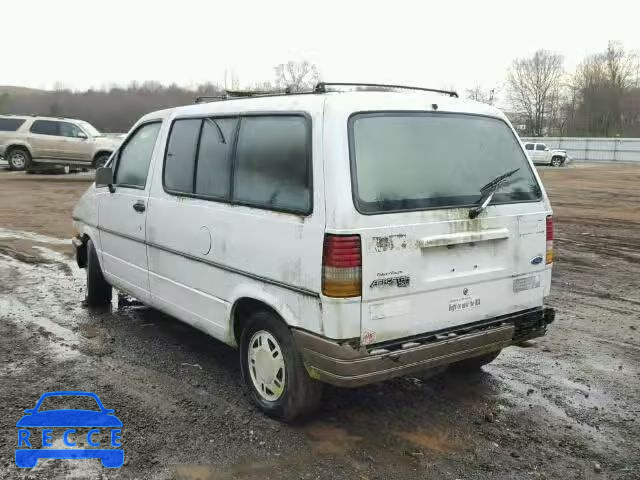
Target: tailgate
{"x":443,"y":272}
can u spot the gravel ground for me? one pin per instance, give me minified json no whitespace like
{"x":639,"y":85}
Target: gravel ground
{"x":564,"y":406}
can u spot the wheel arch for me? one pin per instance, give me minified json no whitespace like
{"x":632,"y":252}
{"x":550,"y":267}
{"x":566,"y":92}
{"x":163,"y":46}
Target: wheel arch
{"x":86,"y":233}
{"x":248,"y":301}
{"x":21,"y":145}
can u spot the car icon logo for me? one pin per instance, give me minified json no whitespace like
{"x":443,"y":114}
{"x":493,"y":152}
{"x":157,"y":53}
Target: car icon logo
{"x":27,"y":453}
{"x":465,"y":291}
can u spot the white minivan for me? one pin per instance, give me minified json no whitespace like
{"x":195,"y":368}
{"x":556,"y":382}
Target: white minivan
{"x":341,"y":236}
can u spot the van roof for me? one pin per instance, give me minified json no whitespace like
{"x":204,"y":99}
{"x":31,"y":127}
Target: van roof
{"x":345,"y":101}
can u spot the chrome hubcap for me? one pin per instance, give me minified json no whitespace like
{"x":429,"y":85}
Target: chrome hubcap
{"x":18,"y":159}
{"x":266,"y":365}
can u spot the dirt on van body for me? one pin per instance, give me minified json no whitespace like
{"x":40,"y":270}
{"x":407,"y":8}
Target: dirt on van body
{"x":564,"y":406}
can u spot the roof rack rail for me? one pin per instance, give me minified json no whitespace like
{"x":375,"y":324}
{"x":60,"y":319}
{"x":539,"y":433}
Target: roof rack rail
{"x":321,"y":87}
{"x":239,"y":94}
{"x":206,"y":98}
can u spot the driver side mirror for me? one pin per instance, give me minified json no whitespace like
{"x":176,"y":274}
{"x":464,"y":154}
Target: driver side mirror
{"x":81,"y":135}
{"x":104,"y":178}
{"x":30,"y":410}
{"x":546,"y":149}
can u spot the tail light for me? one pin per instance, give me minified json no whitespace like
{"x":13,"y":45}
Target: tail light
{"x":342,"y":266}
{"x":549,"y":239}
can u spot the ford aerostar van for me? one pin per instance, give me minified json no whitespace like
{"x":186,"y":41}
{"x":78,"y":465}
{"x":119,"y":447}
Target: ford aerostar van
{"x":341,"y":236}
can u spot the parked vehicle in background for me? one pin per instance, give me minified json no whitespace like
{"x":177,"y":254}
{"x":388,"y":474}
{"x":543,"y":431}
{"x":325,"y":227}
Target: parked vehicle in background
{"x":29,"y":142}
{"x":345,"y":237}
{"x":540,"y":154}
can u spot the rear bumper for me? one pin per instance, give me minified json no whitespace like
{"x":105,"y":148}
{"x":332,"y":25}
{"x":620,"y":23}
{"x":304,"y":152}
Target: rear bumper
{"x":345,"y":366}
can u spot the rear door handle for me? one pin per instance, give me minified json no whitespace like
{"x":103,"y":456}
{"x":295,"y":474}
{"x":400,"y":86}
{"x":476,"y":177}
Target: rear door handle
{"x":139,"y":206}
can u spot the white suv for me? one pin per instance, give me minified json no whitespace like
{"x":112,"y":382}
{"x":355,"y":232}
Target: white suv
{"x":344,"y":237}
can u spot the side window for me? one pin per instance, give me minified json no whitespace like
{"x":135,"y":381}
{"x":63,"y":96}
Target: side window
{"x":133,"y":160}
{"x":10,"y":124}
{"x":273,"y":162}
{"x":529,"y":146}
{"x":46,"y":127}
{"x":214,"y":157}
{"x":540,"y":146}
{"x":181,"y":155}
{"x":69,"y":130}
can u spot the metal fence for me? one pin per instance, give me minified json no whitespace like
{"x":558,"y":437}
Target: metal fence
{"x":593,"y":149}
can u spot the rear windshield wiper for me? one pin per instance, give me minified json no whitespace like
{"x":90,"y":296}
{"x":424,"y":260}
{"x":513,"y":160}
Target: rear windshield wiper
{"x":486,"y":192}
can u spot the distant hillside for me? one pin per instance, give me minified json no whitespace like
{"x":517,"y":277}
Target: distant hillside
{"x":113,"y":110}
{"x":11,"y":90}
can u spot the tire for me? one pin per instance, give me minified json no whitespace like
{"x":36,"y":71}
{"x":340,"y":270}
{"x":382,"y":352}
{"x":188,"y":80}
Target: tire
{"x":100,"y":160}
{"x":475,"y":363}
{"x":99,"y":292}
{"x":18,"y":159}
{"x":556,"y":162}
{"x":292,"y":393}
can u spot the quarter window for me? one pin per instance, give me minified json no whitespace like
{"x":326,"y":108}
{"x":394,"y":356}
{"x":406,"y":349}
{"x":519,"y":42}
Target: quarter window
{"x":272,"y":167}
{"x":181,"y":155}
{"x":46,"y":127}
{"x":10,"y":124}
{"x":135,"y":155}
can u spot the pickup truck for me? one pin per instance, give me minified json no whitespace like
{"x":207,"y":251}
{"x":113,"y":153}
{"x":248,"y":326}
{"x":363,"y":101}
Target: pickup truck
{"x":540,"y":154}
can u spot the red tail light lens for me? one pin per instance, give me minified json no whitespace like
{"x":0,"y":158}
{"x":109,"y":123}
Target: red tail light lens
{"x":342,"y":266}
{"x":549,"y":255}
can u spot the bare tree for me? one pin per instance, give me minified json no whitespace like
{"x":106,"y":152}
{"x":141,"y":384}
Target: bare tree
{"x":534,"y":85}
{"x":296,"y":76}
{"x":604,"y":83}
{"x":480,"y":94}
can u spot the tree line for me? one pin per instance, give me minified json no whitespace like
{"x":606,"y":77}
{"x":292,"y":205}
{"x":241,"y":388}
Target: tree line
{"x":117,"y":108}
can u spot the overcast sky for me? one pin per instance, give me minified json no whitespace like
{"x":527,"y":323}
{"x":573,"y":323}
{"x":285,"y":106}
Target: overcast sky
{"x":450,"y":43}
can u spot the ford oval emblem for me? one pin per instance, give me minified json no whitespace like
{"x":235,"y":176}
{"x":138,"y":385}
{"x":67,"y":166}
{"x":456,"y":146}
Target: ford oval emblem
{"x":537,"y":260}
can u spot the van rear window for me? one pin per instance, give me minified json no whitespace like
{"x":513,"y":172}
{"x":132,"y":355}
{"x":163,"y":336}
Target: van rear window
{"x":417,"y":160}
{"x":10,"y":124}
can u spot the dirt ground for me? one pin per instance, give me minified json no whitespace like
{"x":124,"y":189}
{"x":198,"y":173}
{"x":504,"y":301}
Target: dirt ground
{"x":562,"y":407}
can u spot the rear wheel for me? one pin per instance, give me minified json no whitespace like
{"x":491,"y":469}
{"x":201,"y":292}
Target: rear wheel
{"x":18,"y":159}
{"x":99,"y":292}
{"x":273,"y":370}
{"x":475,"y":363}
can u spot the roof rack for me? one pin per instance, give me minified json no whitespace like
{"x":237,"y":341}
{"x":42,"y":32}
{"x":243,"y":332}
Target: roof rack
{"x":240,"y":94}
{"x":321,"y":87}
{"x":206,"y":98}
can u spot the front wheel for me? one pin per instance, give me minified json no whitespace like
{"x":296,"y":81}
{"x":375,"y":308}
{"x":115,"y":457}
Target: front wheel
{"x":99,"y":292}
{"x":556,"y":162}
{"x":273,"y":370}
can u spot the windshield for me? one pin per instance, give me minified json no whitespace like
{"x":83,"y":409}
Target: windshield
{"x":75,"y":402}
{"x":90,"y":129}
{"x":413,"y":161}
